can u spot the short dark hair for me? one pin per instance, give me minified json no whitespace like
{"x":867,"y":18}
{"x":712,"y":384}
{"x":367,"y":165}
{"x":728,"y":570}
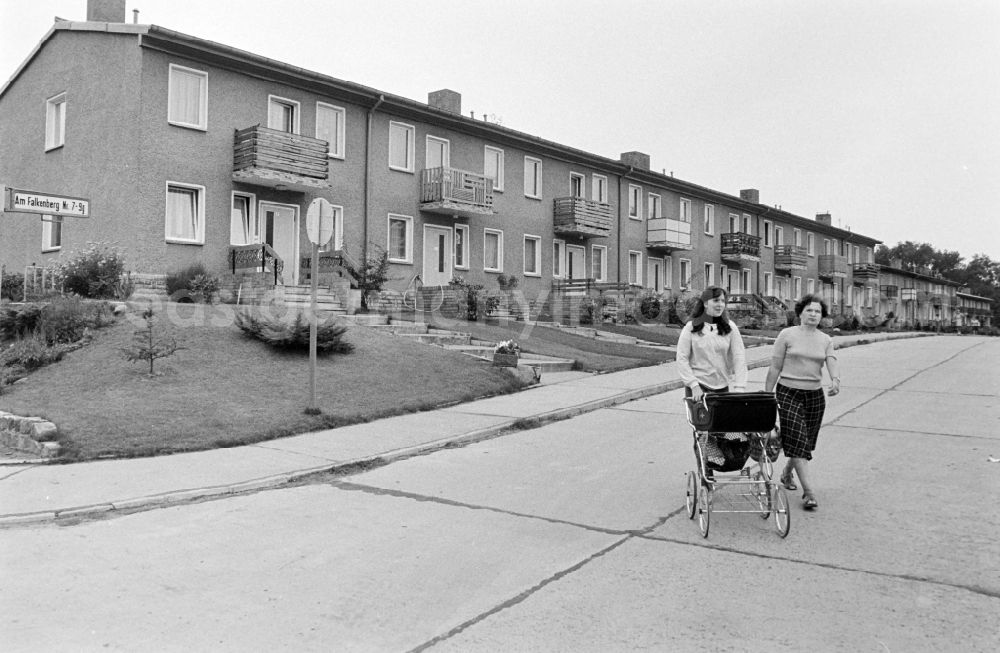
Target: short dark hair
{"x":809,"y":299}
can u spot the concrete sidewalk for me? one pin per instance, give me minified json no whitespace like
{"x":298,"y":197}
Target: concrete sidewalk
{"x":45,"y":493}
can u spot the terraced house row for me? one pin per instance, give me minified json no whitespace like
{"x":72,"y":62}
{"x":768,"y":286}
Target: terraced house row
{"x":192,"y":151}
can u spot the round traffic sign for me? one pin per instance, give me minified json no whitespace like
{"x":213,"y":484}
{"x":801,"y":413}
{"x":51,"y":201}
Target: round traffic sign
{"x":319,"y":221}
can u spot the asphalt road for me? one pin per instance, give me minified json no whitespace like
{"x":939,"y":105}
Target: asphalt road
{"x":570,"y":537}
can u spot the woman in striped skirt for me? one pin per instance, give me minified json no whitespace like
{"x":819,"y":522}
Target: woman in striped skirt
{"x":796,"y":376}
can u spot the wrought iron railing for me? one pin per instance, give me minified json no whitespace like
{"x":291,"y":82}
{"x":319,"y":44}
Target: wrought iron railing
{"x":254,"y":257}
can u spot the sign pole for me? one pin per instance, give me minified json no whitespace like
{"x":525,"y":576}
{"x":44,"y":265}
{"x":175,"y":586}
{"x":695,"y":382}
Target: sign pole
{"x":313,"y":282}
{"x":319,"y":229}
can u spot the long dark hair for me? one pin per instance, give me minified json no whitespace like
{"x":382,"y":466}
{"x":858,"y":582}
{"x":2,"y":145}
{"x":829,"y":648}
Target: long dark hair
{"x":698,"y":317}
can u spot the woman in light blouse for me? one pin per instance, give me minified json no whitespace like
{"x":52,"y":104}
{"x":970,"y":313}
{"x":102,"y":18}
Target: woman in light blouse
{"x":796,"y":376}
{"x":710,"y":353}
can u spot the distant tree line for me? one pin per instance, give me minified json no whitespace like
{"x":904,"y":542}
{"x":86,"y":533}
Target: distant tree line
{"x":981,"y":274}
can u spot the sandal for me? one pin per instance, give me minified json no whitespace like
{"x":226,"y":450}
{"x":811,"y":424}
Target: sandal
{"x":787,"y":482}
{"x":809,"y":502}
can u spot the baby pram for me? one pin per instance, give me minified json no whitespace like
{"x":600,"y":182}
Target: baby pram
{"x":728,"y":429}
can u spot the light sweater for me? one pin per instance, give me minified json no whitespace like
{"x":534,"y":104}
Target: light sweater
{"x":713,"y":360}
{"x":799,"y":354}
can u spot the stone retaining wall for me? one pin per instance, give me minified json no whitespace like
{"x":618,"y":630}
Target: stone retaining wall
{"x":30,"y":434}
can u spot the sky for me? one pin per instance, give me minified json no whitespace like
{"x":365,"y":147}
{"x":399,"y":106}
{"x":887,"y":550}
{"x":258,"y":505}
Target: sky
{"x":883,"y":113}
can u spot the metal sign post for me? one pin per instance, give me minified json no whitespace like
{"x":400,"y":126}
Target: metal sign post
{"x":319,"y":228}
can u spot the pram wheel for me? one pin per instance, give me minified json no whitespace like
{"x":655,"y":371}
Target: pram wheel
{"x":692,"y":494}
{"x":704,"y":509}
{"x":779,"y":507}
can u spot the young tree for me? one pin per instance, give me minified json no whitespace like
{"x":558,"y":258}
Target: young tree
{"x":150,"y":343}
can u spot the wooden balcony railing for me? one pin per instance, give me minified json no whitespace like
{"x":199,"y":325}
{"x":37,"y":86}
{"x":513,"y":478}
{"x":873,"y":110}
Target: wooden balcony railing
{"x":450,"y":191}
{"x":668,"y":234}
{"x":259,"y":256}
{"x":277,"y":159}
{"x":865,"y":270}
{"x":908,"y":294}
{"x":740,"y":247}
{"x":576,"y":216}
{"x":789,"y":258}
{"x":832,"y":266}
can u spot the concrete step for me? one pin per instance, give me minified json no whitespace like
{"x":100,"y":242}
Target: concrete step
{"x":439,"y":339}
{"x":400,"y":329}
{"x":544,"y":363}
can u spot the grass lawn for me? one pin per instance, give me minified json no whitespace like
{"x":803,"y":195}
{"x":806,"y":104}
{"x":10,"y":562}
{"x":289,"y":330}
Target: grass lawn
{"x":224,"y":389}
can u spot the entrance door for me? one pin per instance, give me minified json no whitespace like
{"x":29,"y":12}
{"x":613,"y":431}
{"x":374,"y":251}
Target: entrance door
{"x":437,"y":256}
{"x":654,"y":274}
{"x":732,"y":282}
{"x":280,"y":224}
{"x":576,"y":265}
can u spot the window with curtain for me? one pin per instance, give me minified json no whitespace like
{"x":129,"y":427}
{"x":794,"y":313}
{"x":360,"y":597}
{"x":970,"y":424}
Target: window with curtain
{"x":187,"y":97}
{"x":493,"y":166}
{"x":242,"y":226}
{"x":330,"y":128}
{"x":462,"y":246}
{"x":55,"y":122}
{"x":598,"y":259}
{"x":185,"y":217}
{"x":401,"y":146}
{"x":532,"y":255}
{"x":492,"y":251}
{"x":399,"y":238}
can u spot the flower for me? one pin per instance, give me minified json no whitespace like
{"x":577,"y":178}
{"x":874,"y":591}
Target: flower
{"x":507,"y":347}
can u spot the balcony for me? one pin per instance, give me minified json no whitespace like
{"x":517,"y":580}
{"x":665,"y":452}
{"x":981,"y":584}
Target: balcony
{"x":788,"y":258}
{"x":832,"y":266}
{"x":740,"y":248}
{"x":908,"y":294}
{"x":453,"y":192}
{"x":668,"y":234}
{"x":865,"y":271}
{"x":890,"y":291}
{"x":277,"y":159}
{"x":576,"y":216}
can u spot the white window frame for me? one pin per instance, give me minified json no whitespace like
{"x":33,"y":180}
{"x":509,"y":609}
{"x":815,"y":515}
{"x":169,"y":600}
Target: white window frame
{"x":603,"y":271}
{"x":50,"y":225}
{"x":499,"y":234}
{"x":599,"y":188}
{"x":335,"y":150}
{"x":810,"y":286}
{"x":779,"y":236}
{"x":202,"y":123}
{"x":253,"y":225}
{"x":767,"y":239}
{"x":199,"y":236}
{"x":747,"y":224}
{"x":797,"y":237}
{"x":828,"y":247}
{"x":745,"y":281}
{"x":294,"y":105}
{"x":768,"y":284}
{"x":654,"y":206}
{"x":533,"y":177}
{"x":811,"y":244}
{"x":685,"y":279}
{"x":709,"y":275}
{"x":55,"y":122}
{"x":336,"y":241}
{"x":409,"y":133}
{"x":709,"y":218}
{"x":432,"y":142}
{"x":857,"y":254}
{"x":634,"y":202}
{"x":407,"y":234}
{"x":536,"y":270}
{"x":724,"y":278}
{"x":558,"y":259}
{"x":498,"y":157}
{"x":634,"y":255}
{"x":734,"y":223}
{"x":464,"y":246}
{"x":796,"y":288}
{"x":582,"y":180}
{"x":685,"y":209}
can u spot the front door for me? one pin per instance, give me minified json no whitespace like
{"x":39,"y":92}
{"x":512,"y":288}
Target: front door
{"x":732,"y":282}
{"x":280,"y":223}
{"x":437,"y":256}
{"x":576,"y":265}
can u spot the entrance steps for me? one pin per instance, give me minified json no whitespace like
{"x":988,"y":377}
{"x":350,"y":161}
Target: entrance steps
{"x":298,"y":298}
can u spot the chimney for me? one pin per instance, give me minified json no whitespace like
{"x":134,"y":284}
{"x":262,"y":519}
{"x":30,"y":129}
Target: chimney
{"x":751,"y":195}
{"x":445,"y":100}
{"x":636,"y":160}
{"x":824,"y":218}
{"x":106,"y":11}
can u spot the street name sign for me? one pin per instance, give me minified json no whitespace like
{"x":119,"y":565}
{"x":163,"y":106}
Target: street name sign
{"x":26,"y":201}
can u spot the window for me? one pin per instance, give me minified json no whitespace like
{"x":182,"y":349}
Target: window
{"x":401,"y":146}
{"x":330,"y":122}
{"x":869,"y":296}
{"x":827,"y":246}
{"x":745,"y":281}
{"x":653,"y":205}
{"x":577,"y":185}
{"x":187,"y":97}
{"x":185,"y":220}
{"x":635,"y":268}
{"x":769,"y":284}
{"x":811,"y":244}
{"x":724,"y":280}
{"x":779,"y":236}
{"x":599,"y":261}
{"x":532,"y":177}
{"x":709,"y":219}
{"x":654,"y":273}
{"x":797,"y":235}
{"x":337,"y":239}
{"x":282,"y":114}
{"x":747,"y":224}
{"x":856,"y":254}
{"x":438,"y":154}
{"x":599,"y":188}
{"x":634,"y":201}
{"x":810,"y":286}
{"x":493,"y":166}
{"x":685,"y":210}
{"x":558,"y":259}
{"x":796,"y":288}
{"x":51,"y":233}
{"x":462,"y":246}
{"x":400,"y":238}
{"x":709,"y":275}
{"x":532,"y":256}
{"x":668,"y":272}
{"x":685,"y":279}
{"x":734,"y":223}
{"x":492,"y":250}
{"x":55,"y":122}
{"x":766,"y":236}
{"x":847,"y":253}
{"x":243,"y":226}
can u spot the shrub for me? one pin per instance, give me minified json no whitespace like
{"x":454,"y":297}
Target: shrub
{"x":61,"y":320}
{"x":30,"y":353}
{"x":467,"y":298}
{"x":12,"y":286}
{"x":95,"y":271}
{"x":372,"y":274}
{"x":192,"y":283}
{"x":649,"y":305}
{"x":294,"y":336}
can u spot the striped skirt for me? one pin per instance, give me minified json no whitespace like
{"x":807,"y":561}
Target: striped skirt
{"x":801,"y":414}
